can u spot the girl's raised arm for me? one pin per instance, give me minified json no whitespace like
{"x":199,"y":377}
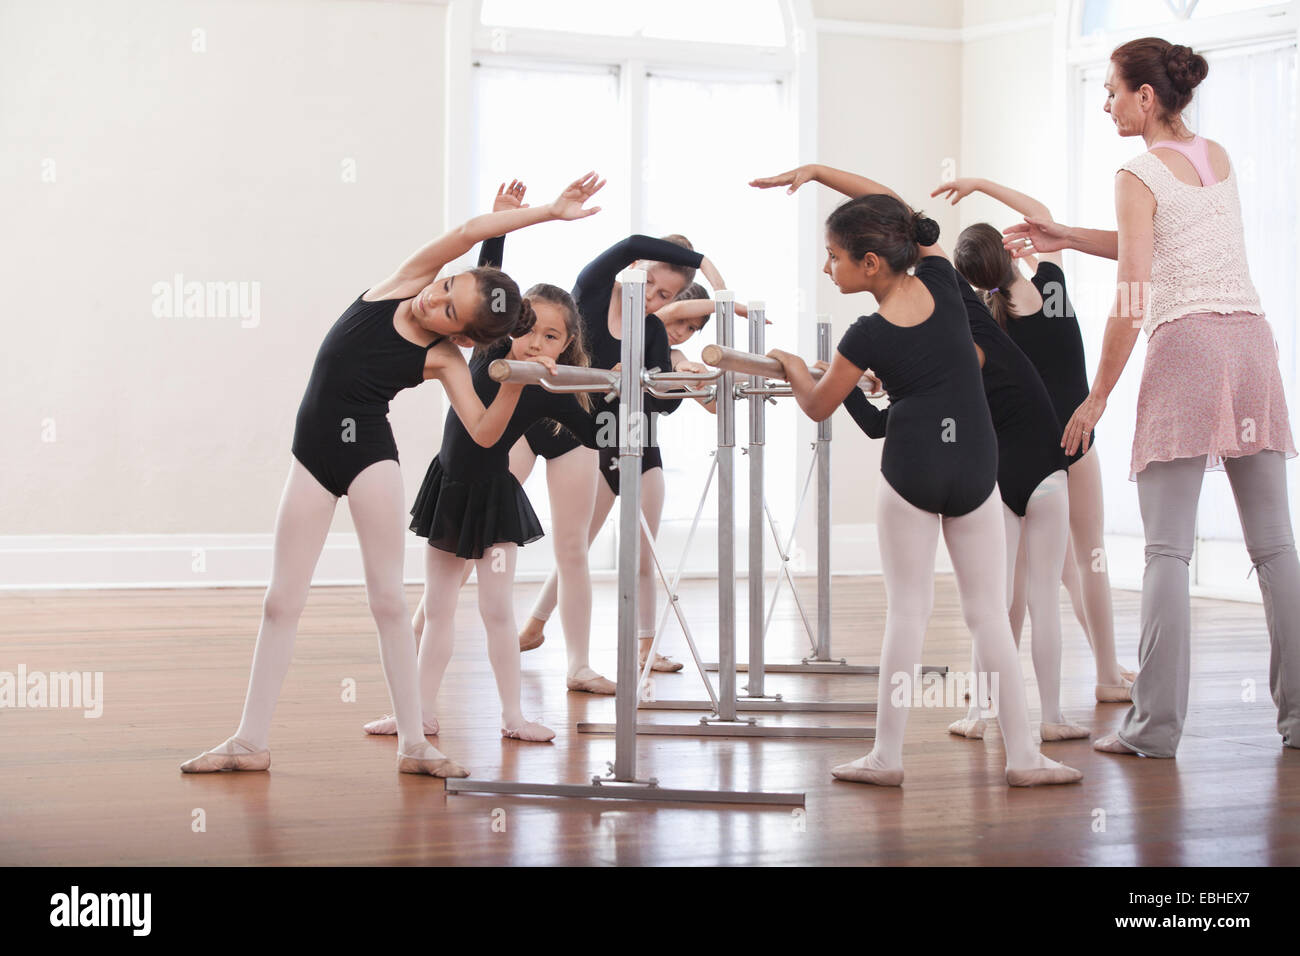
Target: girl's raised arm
{"x":1027,"y":206}
{"x":850,"y":184}
{"x":423,"y":266}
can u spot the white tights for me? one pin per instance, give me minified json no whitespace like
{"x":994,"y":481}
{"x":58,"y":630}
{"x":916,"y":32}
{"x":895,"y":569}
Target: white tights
{"x":376,"y":501}
{"x":652,"y":507}
{"x":1041,"y":535}
{"x":496,"y":575}
{"x":571,"y":483}
{"x":1084,"y":574}
{"x":977,"y":545}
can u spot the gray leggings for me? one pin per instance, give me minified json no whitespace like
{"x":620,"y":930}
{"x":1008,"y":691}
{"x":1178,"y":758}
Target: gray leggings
{"x":1168,"y":493}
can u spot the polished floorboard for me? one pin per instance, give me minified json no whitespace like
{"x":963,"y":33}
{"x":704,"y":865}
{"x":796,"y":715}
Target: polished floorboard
{"x":108,"y":791}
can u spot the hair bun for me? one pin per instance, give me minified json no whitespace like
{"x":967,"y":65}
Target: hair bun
{"x":527,"y":317}
{"x":925,"y":231}
{"x":1185,"y":67}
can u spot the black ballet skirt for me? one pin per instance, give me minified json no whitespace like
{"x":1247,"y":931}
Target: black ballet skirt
{"x":466,"y":518}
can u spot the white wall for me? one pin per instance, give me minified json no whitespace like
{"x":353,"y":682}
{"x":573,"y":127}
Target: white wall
{"x":222,"y":165}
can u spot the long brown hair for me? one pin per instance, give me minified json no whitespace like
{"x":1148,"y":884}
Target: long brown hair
{"x":575,"y":353}
{"x":986,"y":264}
{"x":1172,"y":70}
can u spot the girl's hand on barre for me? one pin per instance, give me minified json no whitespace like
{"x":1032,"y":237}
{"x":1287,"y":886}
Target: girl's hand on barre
{"x":510,"y":197}
{"x":793,"y":178}
{"x":546,"y":361}
{"x":569,"y":204}
{"x":686,"y":365}
{"x":790,"y":363}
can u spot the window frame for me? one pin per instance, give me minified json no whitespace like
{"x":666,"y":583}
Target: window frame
{"x":468,"y":40}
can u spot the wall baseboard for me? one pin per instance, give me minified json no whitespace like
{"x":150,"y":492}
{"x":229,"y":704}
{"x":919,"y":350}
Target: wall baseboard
{"x":56,"y":562}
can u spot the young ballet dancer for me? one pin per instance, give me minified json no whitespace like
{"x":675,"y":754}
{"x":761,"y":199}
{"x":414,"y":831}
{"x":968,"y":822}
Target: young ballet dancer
{"x":1032,"y":484}
{"x":396,"y":334}
{"x":471,"y":508}
{"x":1037,"y":314}
{"x":939,"y":461}
{"x":670,"y":265}
{"x":1211,"y":393}
{"x":1035,"y":505}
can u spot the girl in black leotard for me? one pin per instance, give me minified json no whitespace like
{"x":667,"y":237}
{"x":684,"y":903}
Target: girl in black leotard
{"x":1031,"y":483}
{"x":939,"y":462}
{"x":396,"y":334}
{"x":670,"y":265}
{"x":473,"y":512}
{"x":1037,"y":315}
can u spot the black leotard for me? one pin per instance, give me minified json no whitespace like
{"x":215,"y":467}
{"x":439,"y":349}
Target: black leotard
{"x":940,"y":453}
{"x":1053,"y":342}
{"x":342,"y":425}
{"x":1029,"y":438}
{"x":592,"y":293}
{"x":469,"y":500}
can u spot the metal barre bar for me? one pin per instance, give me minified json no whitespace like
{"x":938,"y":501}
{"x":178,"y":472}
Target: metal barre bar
{"x":566,"y":377}
{"x":747,"y":363}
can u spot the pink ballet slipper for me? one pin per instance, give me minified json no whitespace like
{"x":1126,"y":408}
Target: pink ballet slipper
{"x":388,"y":725}
{"x":212,"y":761}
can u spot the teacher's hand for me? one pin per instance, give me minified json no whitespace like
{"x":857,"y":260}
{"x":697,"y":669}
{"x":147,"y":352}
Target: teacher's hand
{"x":1079,"y":429}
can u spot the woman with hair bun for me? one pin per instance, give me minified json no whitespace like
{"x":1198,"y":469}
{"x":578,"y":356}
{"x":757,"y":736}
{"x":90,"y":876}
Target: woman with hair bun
{"x":939,"y":462}
{"x":1211,"y":395}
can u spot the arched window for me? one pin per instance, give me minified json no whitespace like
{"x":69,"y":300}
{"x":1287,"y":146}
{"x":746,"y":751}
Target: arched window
{"x":1108,"y":16}
{"x":1248,"y":104}
{"x":679,"y":104}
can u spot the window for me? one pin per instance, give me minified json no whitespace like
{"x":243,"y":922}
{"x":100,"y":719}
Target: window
{"x":1104,"y":16}
{"x":678,"y":128}
{"x":753,"y":22}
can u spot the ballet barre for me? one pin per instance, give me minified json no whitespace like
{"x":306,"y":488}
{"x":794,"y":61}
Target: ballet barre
{"x":747,"y":363}
{"x":721,"y":710}
{"x":567,"y":378}
{"x":820,"y":661}
{"x":621,"y":781}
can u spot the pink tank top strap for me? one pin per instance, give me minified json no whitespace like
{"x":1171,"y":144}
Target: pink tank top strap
{"x":1197,"y":153}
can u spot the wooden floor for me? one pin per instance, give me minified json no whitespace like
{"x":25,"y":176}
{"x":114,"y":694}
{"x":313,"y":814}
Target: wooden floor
{"x":78,"y":791}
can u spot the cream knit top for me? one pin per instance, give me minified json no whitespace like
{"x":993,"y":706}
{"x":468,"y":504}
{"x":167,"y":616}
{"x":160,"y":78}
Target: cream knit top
{"x":1198,"y":261}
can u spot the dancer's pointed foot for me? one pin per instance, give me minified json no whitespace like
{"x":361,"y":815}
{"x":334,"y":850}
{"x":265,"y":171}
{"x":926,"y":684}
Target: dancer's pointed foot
{"x":529,"y":731}
{"x":430,"y":761}
{"x":531,"y":637}
{"x":1120,"y":693}
{"x":1111,"y":744}
{"x":1048,"y":772}
{"x":595,"y":684}
{"x":1129,"y":676}
{"x":388,"y":725}
{"x":970,"y":728}
{"x":1065,"y":730}
{"x":232,"y":754}
{"x":868,"y":770}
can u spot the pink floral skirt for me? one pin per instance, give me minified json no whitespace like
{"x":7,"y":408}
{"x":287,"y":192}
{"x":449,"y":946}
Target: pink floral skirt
{"x":1211,"y":386}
